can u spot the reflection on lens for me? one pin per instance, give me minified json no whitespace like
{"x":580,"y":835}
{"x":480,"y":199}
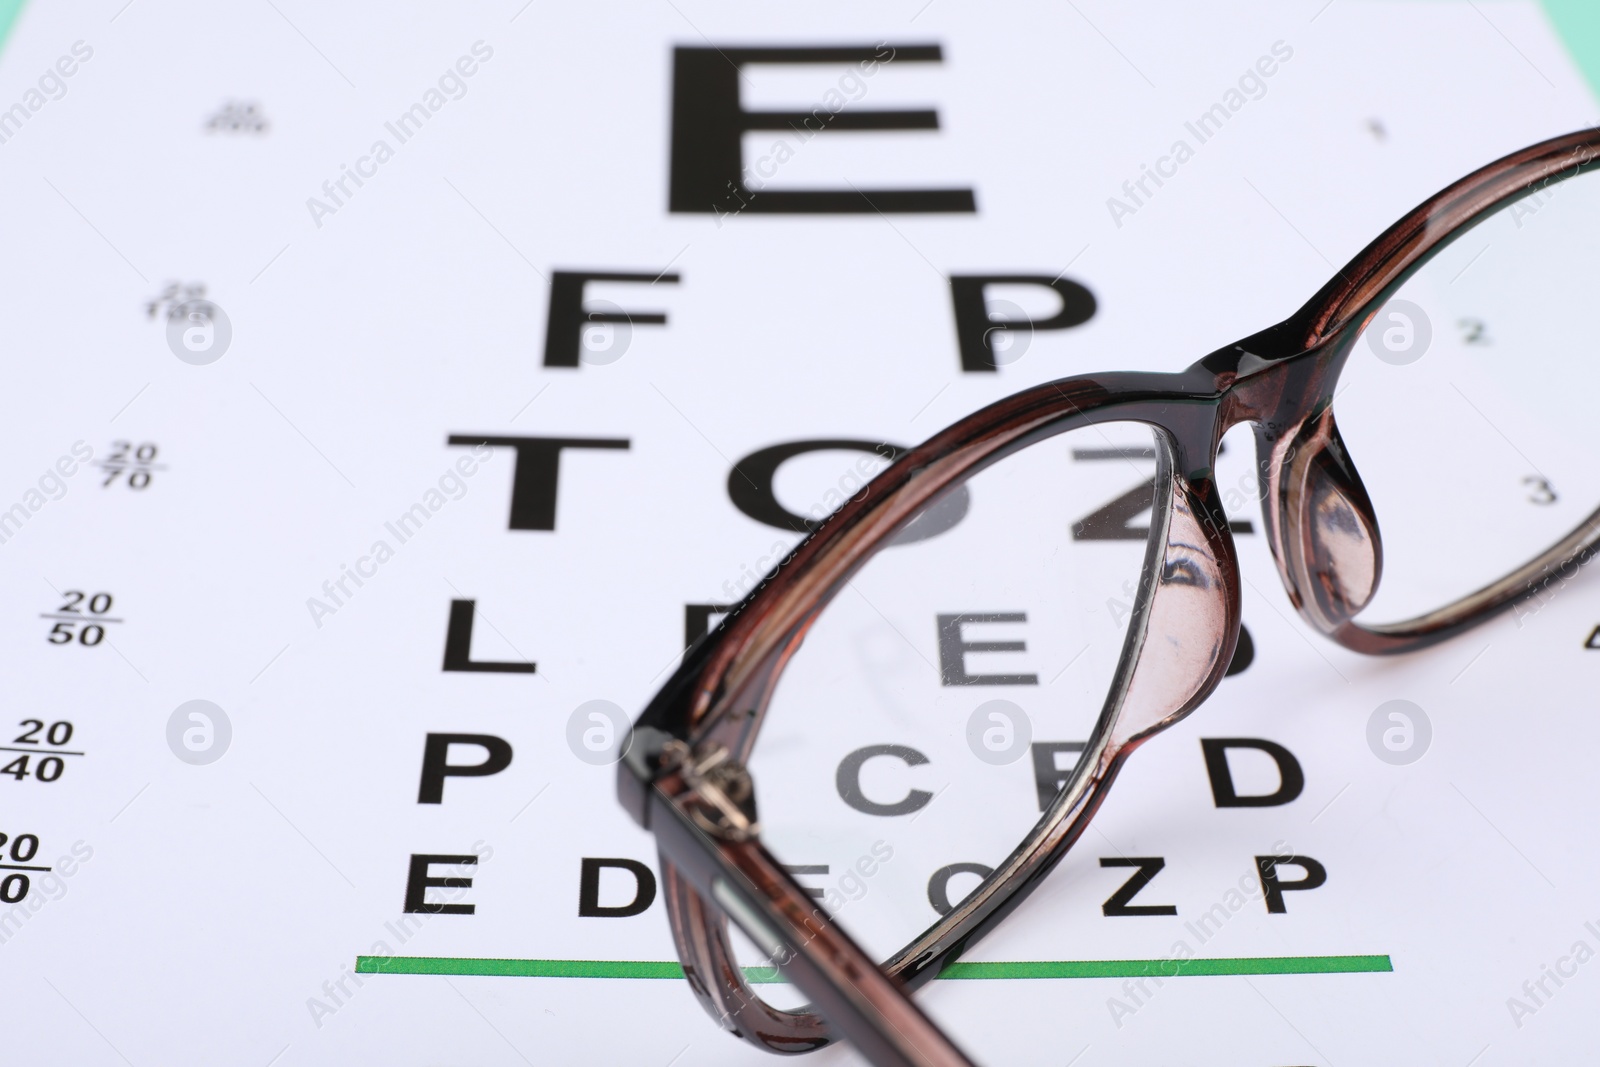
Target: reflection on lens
{"x":1468,"y":404}
{"x":942,"y":699}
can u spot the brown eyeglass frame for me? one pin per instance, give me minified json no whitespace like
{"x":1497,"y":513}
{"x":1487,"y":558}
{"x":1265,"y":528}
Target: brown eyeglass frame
{"x":684,"y":777}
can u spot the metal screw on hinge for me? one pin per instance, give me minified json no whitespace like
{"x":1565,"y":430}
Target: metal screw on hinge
{"x":721,"y":796}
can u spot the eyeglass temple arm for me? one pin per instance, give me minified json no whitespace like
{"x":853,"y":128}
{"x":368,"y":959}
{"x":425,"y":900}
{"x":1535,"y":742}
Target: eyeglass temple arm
{"x":866,"y":1006}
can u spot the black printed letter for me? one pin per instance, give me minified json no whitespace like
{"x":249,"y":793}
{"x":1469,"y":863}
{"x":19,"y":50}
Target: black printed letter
{"x":975,"y":328}
{"x":436,"y":765}
{"x":848,"y":780}
{"x":644,"y":892}
{"x":533,"y":485}
{"x":1048,"y":775}
{"x":939,"y":884}
{"x":1292,"y":779}
{"x":708,"y":125}
{"x":563,"y":337}
{"x":458,"y":644}
{"x":697,"y":620}
{"x":419,"y":882}
{"x":750,"y":488}
{"x":953,"y":649}
{"x":1273,"y":889}
{"x":1117,"y":903}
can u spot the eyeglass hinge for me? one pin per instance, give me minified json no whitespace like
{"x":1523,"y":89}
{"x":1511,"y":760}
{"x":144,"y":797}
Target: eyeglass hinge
{"x":721,"y":796}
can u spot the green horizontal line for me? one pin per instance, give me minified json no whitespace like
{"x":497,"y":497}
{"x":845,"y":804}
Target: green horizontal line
{"x":517,"y":968}
{"x":1171,"y":968}
{"x":500,"y":968}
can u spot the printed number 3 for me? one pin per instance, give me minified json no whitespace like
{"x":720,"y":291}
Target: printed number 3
{"x":1543,"y":492}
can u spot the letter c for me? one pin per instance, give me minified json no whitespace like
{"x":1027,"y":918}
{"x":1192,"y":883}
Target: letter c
{"x":1163,"y":171}
{"x":848,"y":780}
{"x":366,"y":573}
{"x":362,"y":170}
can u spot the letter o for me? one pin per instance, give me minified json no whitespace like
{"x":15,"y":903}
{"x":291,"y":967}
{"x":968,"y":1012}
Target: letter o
{"x":939,"y":884}
{"x":750,"y":489}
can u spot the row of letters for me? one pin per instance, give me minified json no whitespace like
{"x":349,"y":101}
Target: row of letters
{"x":1049,"y":777}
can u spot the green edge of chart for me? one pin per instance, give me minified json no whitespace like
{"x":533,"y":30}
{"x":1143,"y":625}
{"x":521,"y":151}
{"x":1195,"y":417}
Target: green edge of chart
{"x":9,"y":10}
{"x":1164,"y":968}
{"x":1578,"y":24}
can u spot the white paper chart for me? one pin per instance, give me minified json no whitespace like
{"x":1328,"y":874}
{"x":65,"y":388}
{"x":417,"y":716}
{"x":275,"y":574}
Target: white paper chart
{"x":309,"y":598}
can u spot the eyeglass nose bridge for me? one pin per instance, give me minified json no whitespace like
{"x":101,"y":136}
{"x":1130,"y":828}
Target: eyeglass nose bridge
{"x":1320,"y":523}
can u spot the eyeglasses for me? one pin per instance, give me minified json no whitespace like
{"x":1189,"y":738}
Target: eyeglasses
{"x":1440,"y":383}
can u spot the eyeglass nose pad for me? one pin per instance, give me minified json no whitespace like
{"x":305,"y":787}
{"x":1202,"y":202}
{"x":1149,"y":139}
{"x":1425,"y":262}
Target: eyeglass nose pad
{"x":1325,"y":534}
{"x":1193,"y":607}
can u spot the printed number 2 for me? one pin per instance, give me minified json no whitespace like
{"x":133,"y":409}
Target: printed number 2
{"x":65,"y":629}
